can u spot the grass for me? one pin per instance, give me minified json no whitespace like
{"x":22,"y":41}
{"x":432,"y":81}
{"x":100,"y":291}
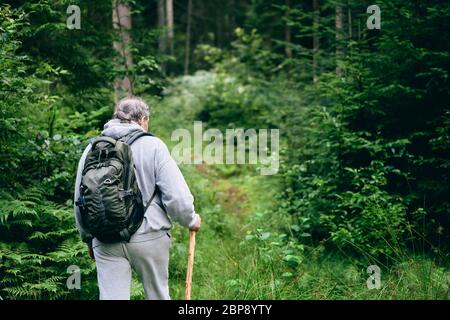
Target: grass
{"x":245,"y":249}
{"x":241,"y":253}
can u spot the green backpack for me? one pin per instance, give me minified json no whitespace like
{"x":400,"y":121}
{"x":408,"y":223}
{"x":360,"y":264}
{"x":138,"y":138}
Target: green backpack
{"x":110,"y":201}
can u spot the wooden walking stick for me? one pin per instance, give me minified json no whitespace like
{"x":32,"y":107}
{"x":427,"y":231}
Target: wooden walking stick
{"x":187,"y":292}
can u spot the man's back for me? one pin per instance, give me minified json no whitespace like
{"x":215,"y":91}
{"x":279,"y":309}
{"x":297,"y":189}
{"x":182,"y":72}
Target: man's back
{"x":147,"y":251}
{"x":154,"y":168}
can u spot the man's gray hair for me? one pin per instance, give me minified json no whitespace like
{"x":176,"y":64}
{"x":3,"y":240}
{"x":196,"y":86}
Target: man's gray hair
{"x":131,"y":109}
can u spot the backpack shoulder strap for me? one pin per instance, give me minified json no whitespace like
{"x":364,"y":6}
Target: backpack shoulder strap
{"x":134,"y":136}
{"x":151,"y":199}
{"x":102,"y":139}
{"x":130,"y":139}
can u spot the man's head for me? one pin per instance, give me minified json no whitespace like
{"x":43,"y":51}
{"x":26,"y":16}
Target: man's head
{"x":133,"y":109}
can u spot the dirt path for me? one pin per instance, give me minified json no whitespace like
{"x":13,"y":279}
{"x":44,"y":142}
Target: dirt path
{"x":218,"y":251}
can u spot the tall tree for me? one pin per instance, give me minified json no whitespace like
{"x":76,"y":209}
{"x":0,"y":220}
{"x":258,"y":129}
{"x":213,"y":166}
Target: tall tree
{"x":232,"y":13}
{"x":162,"y":25}
{"x":188,"y":38}
{"x":316,"y":24}
{"x":350,"y":23}
{"x":219,"y":25}
{"x":339,"y":30}
{"x":122,"y":22}
{"x":287,"y":31}
{"x":170,"y":31}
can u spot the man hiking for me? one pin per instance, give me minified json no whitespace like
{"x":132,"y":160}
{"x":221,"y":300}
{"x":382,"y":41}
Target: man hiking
{"x":128,"y":189}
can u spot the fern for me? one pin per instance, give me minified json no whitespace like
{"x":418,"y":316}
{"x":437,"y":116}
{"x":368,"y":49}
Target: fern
{"x":33,"y":264}
{"x":16,"y":208}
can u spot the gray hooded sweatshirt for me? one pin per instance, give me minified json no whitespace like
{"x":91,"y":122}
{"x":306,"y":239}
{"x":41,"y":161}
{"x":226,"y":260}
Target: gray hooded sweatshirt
{"x":154,"y":167}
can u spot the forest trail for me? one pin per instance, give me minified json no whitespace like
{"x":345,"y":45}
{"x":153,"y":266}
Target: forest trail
{"x":221,"y":243}
{"x":231,"y":197}
{"x":230,"y":194}
{"x":230,"y":200}
{"x":361,"y":126}
{"x":223,"y":254}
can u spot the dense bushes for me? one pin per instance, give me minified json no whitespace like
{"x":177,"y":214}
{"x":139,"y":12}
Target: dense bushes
{"x":365,"y":163}
{"x":366,"y":171}
{"x":38,"y":241}
{"x":365,"y":150}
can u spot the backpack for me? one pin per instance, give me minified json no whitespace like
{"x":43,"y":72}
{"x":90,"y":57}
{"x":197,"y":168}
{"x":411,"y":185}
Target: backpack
{"x":110,"y":201}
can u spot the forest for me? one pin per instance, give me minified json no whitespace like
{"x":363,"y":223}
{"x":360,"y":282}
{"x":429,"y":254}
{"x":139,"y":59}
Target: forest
{"x":359,"y":91}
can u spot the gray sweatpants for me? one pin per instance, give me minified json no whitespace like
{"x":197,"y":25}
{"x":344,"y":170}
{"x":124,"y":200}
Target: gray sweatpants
{"x":149,"y":259}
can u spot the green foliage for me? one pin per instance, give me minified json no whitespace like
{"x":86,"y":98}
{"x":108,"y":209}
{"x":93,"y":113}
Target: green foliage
{"x":38,"y":238}
{"x":38,"y":243}
{"x":364,"y":160}
{"x":358,"y":172}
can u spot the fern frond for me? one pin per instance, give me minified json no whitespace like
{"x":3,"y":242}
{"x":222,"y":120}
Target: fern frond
{"x":16,"y":208}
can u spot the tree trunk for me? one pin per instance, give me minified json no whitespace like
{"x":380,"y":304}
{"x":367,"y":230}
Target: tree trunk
{"x":219,"y":28}
{"x":233,"y":17}
{"x":359,"y":29}
{"x":188,"y":38}
{"x":287,"y":31}
{"x":162,"y":25}
{"x":170,"y":32}
{"x":122,"y":22}
{"x":350,"y":23}
{"x":316,"y":43}
{"x":350,"y":29}
{"x":339,"y":29}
